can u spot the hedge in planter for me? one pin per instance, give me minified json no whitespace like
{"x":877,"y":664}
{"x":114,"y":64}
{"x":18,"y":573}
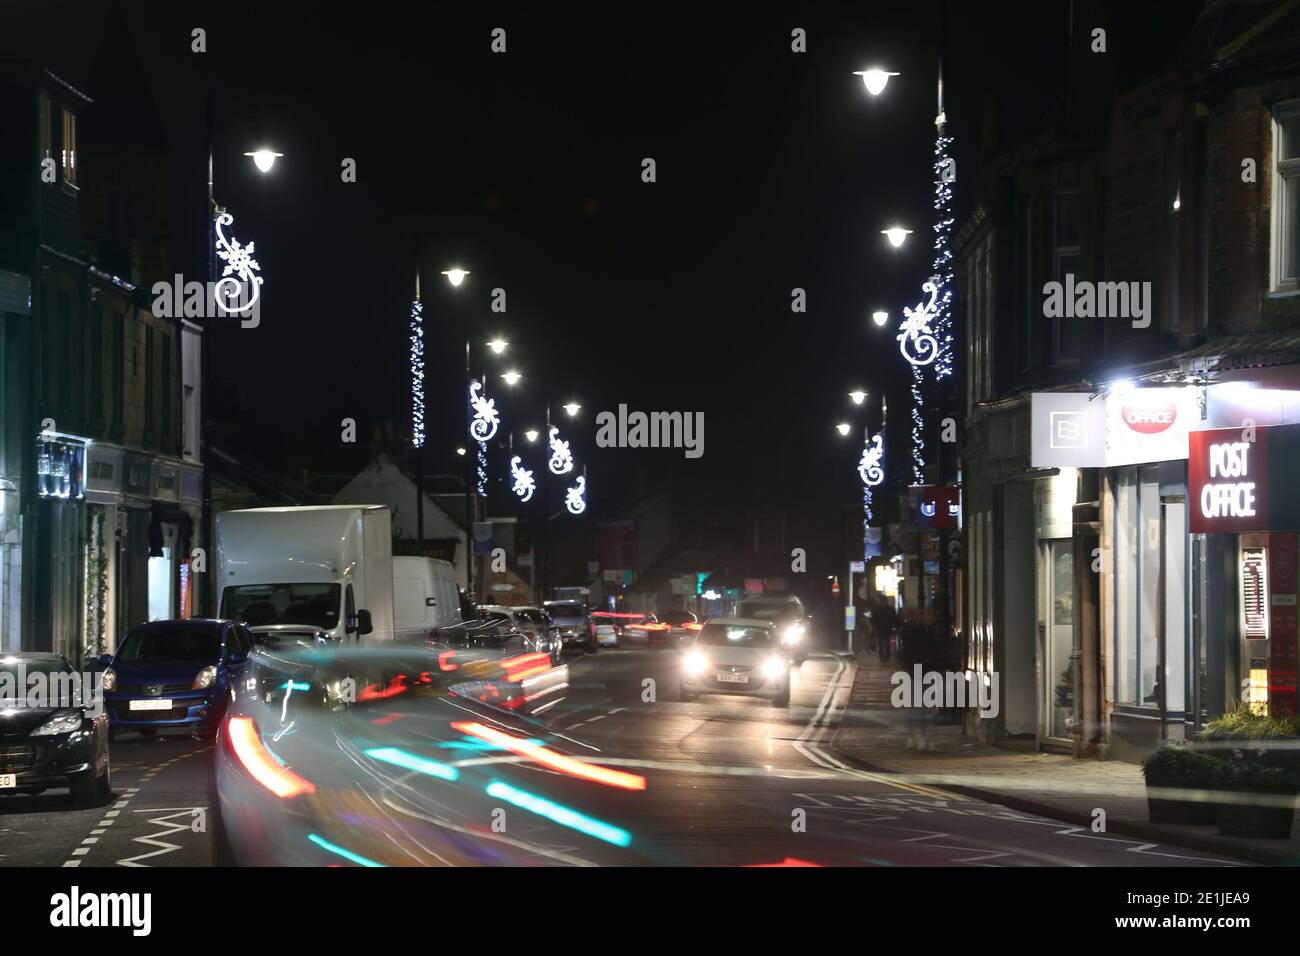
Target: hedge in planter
{"x":1177,"y":768}
{"x":1271,"y":816}
{"x":1257,"y":739}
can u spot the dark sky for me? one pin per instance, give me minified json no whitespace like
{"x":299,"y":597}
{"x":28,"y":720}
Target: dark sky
{"x":775,"y":170}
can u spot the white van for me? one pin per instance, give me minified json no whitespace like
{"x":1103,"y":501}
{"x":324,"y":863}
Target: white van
{"x":425,"y":597}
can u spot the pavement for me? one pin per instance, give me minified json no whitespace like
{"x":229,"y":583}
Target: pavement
{"x":876,"y":736}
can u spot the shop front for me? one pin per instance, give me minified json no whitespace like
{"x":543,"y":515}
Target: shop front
{"x":1244,"y":484}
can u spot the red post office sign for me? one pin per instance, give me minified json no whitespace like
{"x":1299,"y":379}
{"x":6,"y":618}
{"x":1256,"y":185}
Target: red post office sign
{"x":1228,"y":479}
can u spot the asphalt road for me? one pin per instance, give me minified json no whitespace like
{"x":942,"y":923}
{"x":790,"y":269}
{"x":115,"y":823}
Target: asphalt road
{"x":732,"y":781}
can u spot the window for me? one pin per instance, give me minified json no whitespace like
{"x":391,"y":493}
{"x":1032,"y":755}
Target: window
{"x":1137,"y":586}
{"x":45,"y":135}
{"x":1065,"y":261}
{"x":1286,"y":196}
{"x":979,"y":301}
{"x":70,"y":147}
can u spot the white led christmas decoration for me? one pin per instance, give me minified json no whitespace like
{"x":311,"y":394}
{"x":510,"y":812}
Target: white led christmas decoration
{"x":239,"y":270}
{"x":561,"y":462}
{"x":417,"y":374}
{"x":915,"y":337}
{"x":523,"y":486}
{"x":574,"y":498}
{"x":869,"y":469}
{"x":486,"y":418}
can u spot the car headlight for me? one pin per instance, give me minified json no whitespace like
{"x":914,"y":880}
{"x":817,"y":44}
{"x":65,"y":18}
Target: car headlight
{"x":204,"y":678}
{"x":773,"y":667}
{"x":695,"y":663}
{"x":793,"y":634}
{"x":110,"y":679}
{"x":64,"y":722}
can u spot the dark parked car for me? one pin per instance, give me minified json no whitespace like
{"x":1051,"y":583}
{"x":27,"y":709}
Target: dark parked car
{"x":175,"y":675}
{"x":64,"y":744}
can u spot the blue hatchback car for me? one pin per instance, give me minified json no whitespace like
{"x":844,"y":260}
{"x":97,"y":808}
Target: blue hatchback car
{"x":174,"y":675}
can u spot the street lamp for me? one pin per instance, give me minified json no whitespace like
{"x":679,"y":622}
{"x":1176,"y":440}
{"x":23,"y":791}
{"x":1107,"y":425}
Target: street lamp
{"x":857,"y":396}
{"x":512,"y":377}
{"x":880,"y":318}
{"x":455,"y":276}
{"x":461,"y":452}
{"x":264,"y":159}
{"x":531,"y":434}
{"x":874,"y":80}
{"x":843,"y":428}
{"x":498,"y":346}
{"x":896,"y":235}
{"x":572,"y":408}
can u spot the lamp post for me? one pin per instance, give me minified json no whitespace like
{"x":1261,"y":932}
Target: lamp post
{"x":456,"y":276}
{"x":264,"y":159}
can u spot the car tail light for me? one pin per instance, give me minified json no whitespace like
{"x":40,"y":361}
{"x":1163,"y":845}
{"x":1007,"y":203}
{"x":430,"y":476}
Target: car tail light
{"x":260,"y":763}
{"x":432,"y":636}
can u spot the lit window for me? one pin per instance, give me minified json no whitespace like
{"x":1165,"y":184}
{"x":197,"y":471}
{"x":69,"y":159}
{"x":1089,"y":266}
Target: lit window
{"x":1286,"y":196}
{"x":70,"y":147}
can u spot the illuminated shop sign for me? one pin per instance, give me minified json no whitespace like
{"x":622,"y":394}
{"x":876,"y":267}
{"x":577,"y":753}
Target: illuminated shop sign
{"x":1130,"y":426}
{"x":60,"y":465}
{"x":1244,"y":479}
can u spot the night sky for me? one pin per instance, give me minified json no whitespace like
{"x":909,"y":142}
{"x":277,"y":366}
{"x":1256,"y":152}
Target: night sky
{"x":775,"y":170}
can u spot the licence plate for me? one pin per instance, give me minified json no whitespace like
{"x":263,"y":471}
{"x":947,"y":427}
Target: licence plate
{"x":151,"y":705}
{"x":8,"y":781}
{"x":725,"y":677}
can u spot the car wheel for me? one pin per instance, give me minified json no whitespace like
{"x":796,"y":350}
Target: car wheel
{"x":87,"y":790}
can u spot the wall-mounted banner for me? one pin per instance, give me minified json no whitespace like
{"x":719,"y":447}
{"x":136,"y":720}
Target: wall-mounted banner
{"x":1082,"y":430}
{"x":1244,"y":479}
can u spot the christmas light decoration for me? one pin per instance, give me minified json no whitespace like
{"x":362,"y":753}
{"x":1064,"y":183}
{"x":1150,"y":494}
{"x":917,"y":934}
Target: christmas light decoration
{"x":945,"y":174}
{"x":869,"y":469}
{"x":239,"y":270}
{"x":561,"y":462}
{"x":486,"y":419}
{"x":575,"y":497}
{"x":417,"y":374}
{"x":523,"y":486}
{"x":918,"y":428}
{"x":915,"y":337}
{"x":480,"y":484}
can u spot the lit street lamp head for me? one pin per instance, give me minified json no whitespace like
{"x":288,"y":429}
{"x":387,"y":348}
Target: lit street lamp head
{"x":498,"y":345}
{"x":512,"y":377}
{"x":455,"y":276}
{"x":460,"y":451}
{"x":843,"y":428}
{"x":880,"y":318}
{"x":858,"y":396}
{"x":572,"y":408}
{"x":896,"y":235}
{"x":874,"y":80}
{"x":264,"y":159}
{"x":531,"y":434}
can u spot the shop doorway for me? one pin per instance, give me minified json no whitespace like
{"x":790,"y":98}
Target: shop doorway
{"x":1058,"y":650}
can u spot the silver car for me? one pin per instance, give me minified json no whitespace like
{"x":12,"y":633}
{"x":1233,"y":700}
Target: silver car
{"x":737,"y":655}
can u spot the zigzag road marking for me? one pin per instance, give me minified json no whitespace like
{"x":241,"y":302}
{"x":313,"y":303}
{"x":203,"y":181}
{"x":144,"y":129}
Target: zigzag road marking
{"x":171,"y":828}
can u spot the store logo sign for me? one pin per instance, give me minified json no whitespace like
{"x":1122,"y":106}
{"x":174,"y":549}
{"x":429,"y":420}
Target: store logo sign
{"x":1150,"y":418}
{"x":1231,"y":499}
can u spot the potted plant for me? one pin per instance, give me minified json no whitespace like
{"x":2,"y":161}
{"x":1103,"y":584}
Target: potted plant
{"x":1259,"y":802}
{"x":1256,"y":738}
{"x":1179,"y":784}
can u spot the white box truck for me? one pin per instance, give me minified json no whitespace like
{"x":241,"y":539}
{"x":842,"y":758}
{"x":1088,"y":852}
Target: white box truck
{"x":327,"y":567}
{"x":426,"y":598}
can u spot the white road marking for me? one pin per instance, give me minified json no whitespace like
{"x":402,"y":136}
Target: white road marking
{"x":171,"y":826}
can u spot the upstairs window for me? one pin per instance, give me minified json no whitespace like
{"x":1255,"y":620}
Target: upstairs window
{"x":70,"y":147}
{"x":1286,"y":196}
{"x":45,"y":134}
{"x":1066,"y":257}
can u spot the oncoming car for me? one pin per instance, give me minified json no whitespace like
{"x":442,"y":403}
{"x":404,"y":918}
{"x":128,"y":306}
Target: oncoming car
{"x":737,"y":655}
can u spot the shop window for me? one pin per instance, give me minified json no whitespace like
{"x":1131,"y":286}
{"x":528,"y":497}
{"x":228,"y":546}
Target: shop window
{"x":1137,"y":586}
{"x":70,"y":147}
{"x":1286,"y":196}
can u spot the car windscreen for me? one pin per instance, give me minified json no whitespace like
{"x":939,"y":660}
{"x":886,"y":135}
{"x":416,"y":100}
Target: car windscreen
{"x":159,"y":645}
{"x":766,"y":610}
{"x":736,"y":635}
{"x":566,"y":610}
{"x":316,"y":605}
{"x":19,"y":668}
